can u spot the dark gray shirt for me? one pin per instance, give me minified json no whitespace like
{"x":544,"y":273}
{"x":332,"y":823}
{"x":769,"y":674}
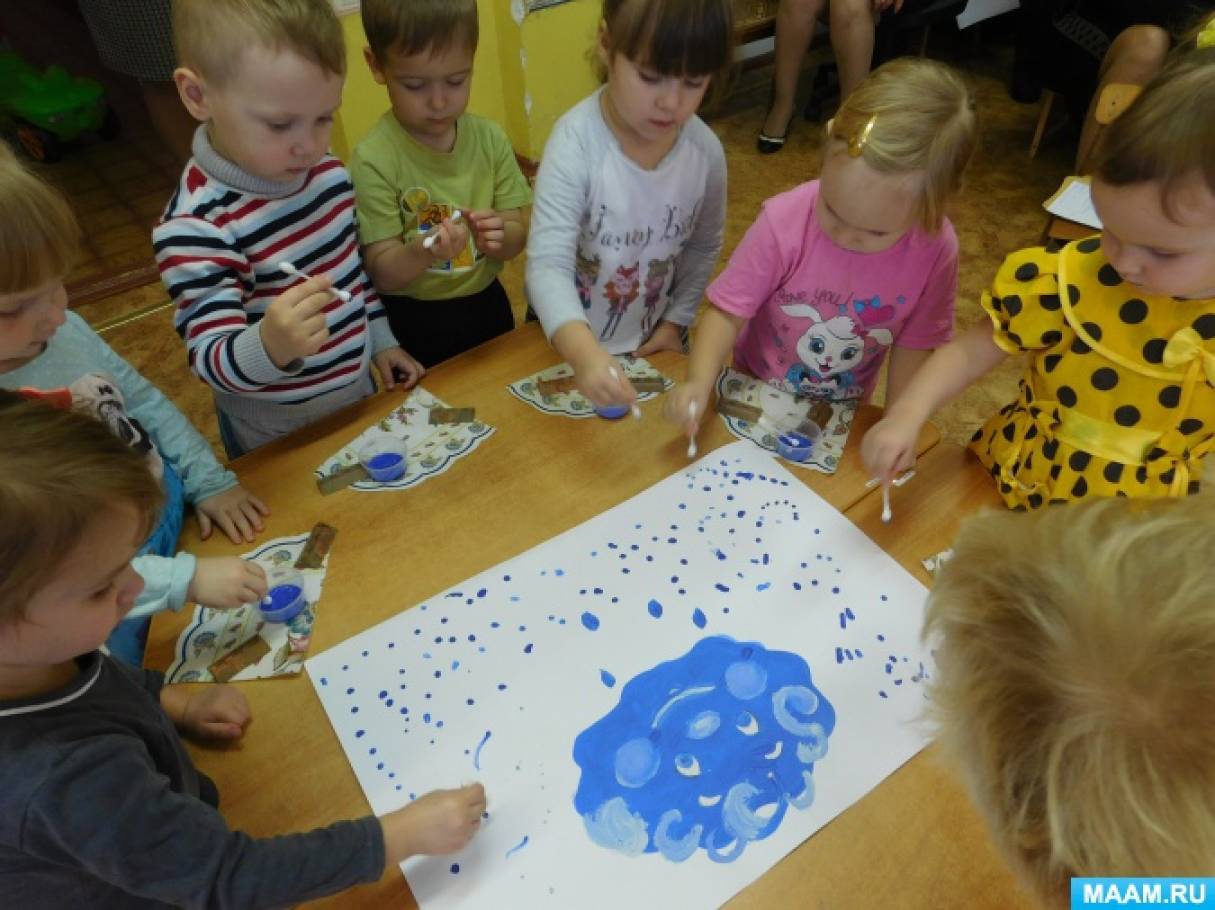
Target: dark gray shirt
{"x":100,"y":807}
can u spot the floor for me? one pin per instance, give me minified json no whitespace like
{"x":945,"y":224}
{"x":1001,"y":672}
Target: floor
{"x":998,"y":211}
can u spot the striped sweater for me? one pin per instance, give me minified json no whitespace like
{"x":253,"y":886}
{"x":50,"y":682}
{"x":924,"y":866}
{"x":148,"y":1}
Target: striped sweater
{"x":218,"y":246}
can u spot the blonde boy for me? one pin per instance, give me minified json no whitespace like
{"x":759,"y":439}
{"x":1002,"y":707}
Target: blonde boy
{"x":1075,"y":686}
{"x":265,"y":78}
{"x":100,"y":805}
{"x":422,"y":162}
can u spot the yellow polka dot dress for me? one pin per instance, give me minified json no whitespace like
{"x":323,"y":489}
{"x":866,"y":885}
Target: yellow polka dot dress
{"x":1118,"y":397}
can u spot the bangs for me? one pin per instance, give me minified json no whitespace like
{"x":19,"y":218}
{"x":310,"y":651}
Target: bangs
{"x":673,"y":37}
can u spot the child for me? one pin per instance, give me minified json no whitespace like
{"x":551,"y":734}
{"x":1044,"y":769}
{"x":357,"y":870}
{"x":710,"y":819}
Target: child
{"x":423,"y":161}
{"x":100,"y":804}
{"x":44,"y":346}
{"x":630,"y":198}
{"x":1073,"y":678}
{"x":1118,"y":397}
{"x":840,"y":270}
{"x":265,"y":77}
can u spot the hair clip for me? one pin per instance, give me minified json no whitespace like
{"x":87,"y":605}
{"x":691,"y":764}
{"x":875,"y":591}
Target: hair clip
{"x":1206,"y":37}
{"x":856,"y":144}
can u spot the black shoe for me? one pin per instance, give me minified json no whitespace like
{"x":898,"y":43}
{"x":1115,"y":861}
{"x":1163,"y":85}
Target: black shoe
{"x":769,"y":144}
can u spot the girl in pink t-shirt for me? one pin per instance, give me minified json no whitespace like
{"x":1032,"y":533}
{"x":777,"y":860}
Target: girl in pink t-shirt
{"x":836,"y":272}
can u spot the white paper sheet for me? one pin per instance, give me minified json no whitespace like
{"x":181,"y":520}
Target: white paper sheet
{"x":1075,"y":203}
{"x":517,"y":676}
{"x":978,"y":10}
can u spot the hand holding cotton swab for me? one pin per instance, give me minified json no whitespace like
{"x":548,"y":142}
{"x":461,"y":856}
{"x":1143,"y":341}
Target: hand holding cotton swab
{"x":290,"y":269}
{"x":433,"y":236}
{"x":692,"y":436}
{"x":636,"y":408}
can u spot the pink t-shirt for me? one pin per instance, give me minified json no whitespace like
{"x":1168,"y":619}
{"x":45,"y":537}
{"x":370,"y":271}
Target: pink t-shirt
{"x":821,"y":318}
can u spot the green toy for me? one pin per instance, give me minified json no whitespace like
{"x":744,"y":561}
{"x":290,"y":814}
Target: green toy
{"x":46,"y":110}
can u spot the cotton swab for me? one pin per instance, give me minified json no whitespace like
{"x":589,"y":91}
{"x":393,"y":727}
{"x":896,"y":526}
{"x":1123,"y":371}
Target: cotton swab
{"x":886,"y":513}
{"x":292,"y":270}
{"x":430,"y":240}
{"x":636,"y":407}
{"x":692,"y":438}
{"x":897,"y":482}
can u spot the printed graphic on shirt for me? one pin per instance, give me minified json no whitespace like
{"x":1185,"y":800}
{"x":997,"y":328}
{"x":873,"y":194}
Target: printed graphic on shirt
{"x":620,"y":291}
{"x":586,"y":276}
{"x":838,"y":341}
{"x":655,"y":283}
{"x":422,"y":214}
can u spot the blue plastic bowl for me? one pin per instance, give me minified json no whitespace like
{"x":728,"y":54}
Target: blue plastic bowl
{"x":613,"y":411}
{"x":794,"y":446}
{"x":285,"y":599}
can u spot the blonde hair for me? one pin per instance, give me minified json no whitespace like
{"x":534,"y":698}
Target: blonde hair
{"x":210,"y":35}
{"x":1168,"y":132}
{"x":690,"y":38}
{"x":913,"y":115}
{"x":1074,"y":685}
{"x":413,"y":26}
{"x":58,"y":471}
{"x":39,"y":236}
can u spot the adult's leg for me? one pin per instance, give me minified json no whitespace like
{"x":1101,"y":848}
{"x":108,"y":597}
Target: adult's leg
{"x":794,"y":27}
{"x":852,"y":29}
{"x":1136,"y":55}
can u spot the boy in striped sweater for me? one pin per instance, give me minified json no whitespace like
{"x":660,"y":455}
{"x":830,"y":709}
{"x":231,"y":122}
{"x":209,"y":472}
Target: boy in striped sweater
{"x":261,"y":192}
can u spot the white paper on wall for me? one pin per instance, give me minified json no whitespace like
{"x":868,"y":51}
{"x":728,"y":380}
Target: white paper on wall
{"x":661,"y":702}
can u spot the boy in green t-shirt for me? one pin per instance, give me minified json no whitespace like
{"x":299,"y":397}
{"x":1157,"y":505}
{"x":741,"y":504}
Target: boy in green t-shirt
{"x":421,"y":163}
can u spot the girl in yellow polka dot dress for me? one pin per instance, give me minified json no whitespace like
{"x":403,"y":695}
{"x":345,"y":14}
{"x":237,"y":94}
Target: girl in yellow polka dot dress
{"x":1118,"y":397}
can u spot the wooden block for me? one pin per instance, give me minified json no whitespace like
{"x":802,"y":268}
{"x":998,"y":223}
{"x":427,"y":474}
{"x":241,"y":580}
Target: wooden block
{"x":821,"y":413}
{"x":452,"y":415}
{"x":556,"y":386}
{"x":316,"y":547}
{"x":644,"y":384}
{"x":340,"y":480}
{"x":732,"y":407}
{"x":236,"y":660}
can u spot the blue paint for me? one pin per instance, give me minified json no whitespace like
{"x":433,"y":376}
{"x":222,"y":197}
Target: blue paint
{"x":698,"y":618}
{"x":477,"y":751}
{"x":455,"y":868}
{"x":590,"y":620}
{"x":720,"y":587}
{"x":283,"y":602}
{"x":612,"y":411}
{"x":655,"y":609}
{"x":848,"y":612}
{"x":517,"y":847}
{"x":706,"y":751}
{"x":527,"y":648}
{"x":719,"y":554}
{"x":607,"y":678}
{"x":763,"y":586}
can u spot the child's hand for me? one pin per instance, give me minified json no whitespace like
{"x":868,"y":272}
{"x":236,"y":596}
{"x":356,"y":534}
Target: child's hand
{"x":294,"y":324}
{"x":395,"y":365}
{"x":665,"y":337}
{"x":442,"y":821}
{"x":213,"y":712}
{"x":678,"y":406}
{"x":450,"y":241}
{"x":600,"y":378}
{"x":888,"y":449}
{"x":489,"y":230}
{"x":226,"y":582}
{"x":237,"y":512}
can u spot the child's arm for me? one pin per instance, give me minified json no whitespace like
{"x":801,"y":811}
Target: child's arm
{"x":442,"y":821}
{"x":214,"y":491}
{"x":904,"y":362}
{"x":207,"y":712}
{"x":711,"y":349}
{"x":393,"y":263}
{"x":889,"y":446}
{"x":596,"y":372}
{"x":499,"y":235}
{"x":220,"y":582}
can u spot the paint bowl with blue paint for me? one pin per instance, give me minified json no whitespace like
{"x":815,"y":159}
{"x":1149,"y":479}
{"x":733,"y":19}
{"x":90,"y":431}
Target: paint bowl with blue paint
{"x":794,"y":446}
{"x":612,"y":411}
{"x":383,"y":456}
{"x":285,"y":597}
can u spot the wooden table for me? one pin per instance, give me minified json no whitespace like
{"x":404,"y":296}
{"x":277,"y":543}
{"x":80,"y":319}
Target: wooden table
{"x":537,"y":476}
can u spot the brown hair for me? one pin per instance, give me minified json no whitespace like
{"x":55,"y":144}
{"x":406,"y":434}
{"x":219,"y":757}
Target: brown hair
{"x":673,"y":37}
{"x":1168,"y":132}
{"x":912,"y":115}
{"x":210,"y":34}
{"x":1074,"y":685}
{"x":58,"y":470}
{"x":413,"y":26}
{"x":39,"y":236}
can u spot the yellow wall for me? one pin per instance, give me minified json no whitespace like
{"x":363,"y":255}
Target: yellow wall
{"x":525,"y":76}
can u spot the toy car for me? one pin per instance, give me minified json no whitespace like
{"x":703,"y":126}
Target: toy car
{"x":48,"y":109}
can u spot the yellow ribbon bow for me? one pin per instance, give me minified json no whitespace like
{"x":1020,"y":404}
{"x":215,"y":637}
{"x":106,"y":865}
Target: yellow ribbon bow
{"x":1206,"y":37}
{"x":1186,"y":346}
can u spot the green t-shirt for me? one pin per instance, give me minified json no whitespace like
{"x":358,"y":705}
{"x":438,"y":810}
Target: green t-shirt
{"x":402,"y":188}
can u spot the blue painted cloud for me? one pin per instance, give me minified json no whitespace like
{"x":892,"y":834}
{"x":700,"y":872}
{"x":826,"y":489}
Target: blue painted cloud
{"x":705,"y":751}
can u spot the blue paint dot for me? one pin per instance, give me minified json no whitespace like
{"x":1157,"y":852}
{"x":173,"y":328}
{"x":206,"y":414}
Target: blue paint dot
{"x":720,"y":587}
{"x":455,"y":868}
{"x":607,"y":678}
{"x":590,"y":620}
{"x":698,"y":618}
{"x":763,"y":586}
{"x":527,"y":648}
{"x":655,"y":608}
{"x":560,"y":572}
{"x":359,"y":734}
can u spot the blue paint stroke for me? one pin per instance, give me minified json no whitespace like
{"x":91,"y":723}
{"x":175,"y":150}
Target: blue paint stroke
{"x":590,"y":620}
{"x":477,"y":751}
{"x":705,"y":751}
{"x":607,"y":678}
{"x":517,"y":847}
{"x":698,"y":618}
{"x":655,"y":609}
